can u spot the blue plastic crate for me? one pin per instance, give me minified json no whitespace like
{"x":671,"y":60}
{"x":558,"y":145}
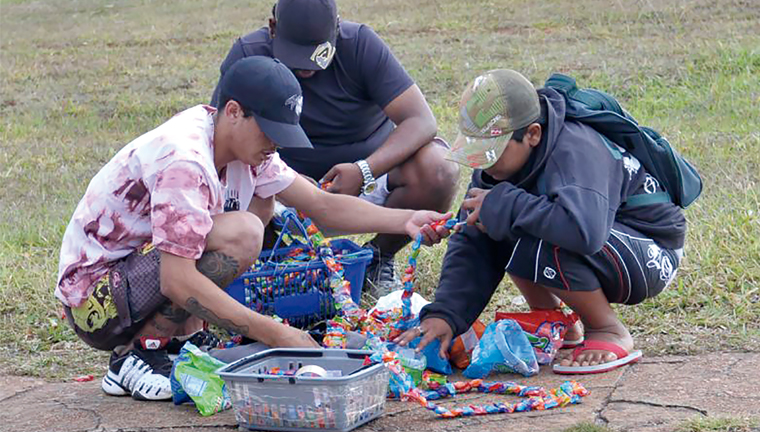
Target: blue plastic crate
{"x":299,"y":292}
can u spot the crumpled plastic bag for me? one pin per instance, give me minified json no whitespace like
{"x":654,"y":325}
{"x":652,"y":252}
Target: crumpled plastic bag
{"x":194,"y":379}
{"x":545,"y":330}
{"x":432,"y":353}
{"x":393,"y":300}
{"x":503,"y":348}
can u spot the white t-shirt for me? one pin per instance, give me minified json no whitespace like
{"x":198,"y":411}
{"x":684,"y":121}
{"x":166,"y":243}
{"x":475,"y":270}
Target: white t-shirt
{"x":161,"y":188}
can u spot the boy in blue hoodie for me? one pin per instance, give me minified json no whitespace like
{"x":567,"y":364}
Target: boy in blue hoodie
{"x":547,"y":206}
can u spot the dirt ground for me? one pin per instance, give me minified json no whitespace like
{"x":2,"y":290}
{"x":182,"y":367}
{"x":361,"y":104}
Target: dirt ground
{"x":658,"y":394}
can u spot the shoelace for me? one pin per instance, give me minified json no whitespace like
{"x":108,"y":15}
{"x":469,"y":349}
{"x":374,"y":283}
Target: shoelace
{"x":386,"y":267}
{"x":158,"y":360}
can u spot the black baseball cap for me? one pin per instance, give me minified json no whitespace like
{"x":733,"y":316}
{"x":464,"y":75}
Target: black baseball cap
{"x":268,"y":89}
{"x":306,"y":32}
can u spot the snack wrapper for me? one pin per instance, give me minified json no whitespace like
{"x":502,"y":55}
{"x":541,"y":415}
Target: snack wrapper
{"x":545,"y":330}
{"x":461,"y":349}
{"x":194,"y":379}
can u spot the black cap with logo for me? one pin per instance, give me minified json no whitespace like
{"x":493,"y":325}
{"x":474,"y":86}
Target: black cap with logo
{"x":268,"y":89}
{"x":305,"y":33}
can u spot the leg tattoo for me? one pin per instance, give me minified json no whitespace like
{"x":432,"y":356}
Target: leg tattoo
{"x":220,"y":268}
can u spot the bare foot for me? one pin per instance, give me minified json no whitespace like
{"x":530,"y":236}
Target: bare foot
{"x":617,"y":334}
{"x":575,"y":332}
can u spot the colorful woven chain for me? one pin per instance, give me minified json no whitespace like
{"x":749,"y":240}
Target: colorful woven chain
{"x":409,"y":279}
{"x":381,"y":326}
{"x":536,"y":398}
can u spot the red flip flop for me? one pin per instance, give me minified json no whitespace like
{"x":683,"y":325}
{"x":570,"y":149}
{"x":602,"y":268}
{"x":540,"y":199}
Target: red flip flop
{"x":623,"y":358}
{"x":568,"y":344}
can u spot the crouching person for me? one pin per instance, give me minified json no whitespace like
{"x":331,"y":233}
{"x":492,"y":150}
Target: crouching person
{"x":150,"y":245}
{"x":547,"y":206}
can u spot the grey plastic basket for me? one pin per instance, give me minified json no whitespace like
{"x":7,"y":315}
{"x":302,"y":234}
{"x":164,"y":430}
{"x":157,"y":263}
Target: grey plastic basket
{"x":350,"y":396}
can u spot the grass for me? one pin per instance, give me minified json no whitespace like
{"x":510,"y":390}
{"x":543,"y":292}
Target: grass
{"x":78,"y":80}
{"x":696,"y":424}
{"x":587,"y":427}
{"x":720,"y":424}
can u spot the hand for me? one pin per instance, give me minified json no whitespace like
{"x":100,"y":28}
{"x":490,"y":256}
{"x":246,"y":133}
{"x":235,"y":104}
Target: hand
{"x":472,"y":203}
{"x":420,"y":223}
{"x":291,"y":337}
{"x":430,"y":329}
{"x":346,"y":178}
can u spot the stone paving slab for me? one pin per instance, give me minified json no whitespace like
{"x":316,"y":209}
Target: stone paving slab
{"x":652,"y":396}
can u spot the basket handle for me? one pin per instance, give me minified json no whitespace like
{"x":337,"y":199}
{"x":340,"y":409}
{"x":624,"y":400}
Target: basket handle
{"x":291,"y":216}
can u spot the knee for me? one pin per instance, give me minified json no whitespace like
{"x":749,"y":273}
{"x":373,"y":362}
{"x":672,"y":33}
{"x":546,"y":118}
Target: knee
{"x":434,"y":173}
{"x":243,"y":239}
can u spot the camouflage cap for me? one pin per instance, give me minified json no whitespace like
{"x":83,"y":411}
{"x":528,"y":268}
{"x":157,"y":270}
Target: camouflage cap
{"x":493,"y":106}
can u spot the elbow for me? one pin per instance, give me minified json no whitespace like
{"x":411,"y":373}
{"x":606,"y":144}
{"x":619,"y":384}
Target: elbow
{"x":590,"y":244}
{"x":589,"y":249}
{"x":430,"y":127}
{"x":318,"y":211}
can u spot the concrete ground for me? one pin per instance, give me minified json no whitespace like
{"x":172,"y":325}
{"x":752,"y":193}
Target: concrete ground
{"x":655,"y":395}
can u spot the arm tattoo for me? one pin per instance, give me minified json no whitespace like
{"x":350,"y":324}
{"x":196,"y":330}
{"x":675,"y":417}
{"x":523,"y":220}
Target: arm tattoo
{"x":196,"y":308}
{"x":220,"y":268}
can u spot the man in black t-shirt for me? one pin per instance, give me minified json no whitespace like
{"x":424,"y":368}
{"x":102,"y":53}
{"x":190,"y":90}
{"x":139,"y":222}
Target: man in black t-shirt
{"x":372,"y":131}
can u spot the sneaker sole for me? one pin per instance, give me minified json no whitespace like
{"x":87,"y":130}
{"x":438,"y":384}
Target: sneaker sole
{"x":111,"y":386}
{"x":151,"y":393}
{"x":140,"y":397}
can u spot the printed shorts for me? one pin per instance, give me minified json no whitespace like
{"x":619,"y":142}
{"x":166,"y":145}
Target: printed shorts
{"x":122,"y":300}
{"x":629,"y":269}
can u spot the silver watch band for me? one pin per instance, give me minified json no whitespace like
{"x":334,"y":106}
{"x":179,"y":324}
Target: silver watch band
{"x":366,"y":172}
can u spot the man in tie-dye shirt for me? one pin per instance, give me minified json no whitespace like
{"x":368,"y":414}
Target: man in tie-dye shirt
{"x":150,"y":243}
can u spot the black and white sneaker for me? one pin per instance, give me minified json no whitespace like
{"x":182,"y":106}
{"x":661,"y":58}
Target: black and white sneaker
{"x":142,"y":372}
{"x":381,"y":276}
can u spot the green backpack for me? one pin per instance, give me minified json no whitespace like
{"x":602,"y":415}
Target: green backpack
{"x":676,"y":175}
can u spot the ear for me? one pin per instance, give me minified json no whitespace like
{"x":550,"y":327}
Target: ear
{"x":533,"y":134}
{"x":233,"y":111}
{"x":272,"y":26}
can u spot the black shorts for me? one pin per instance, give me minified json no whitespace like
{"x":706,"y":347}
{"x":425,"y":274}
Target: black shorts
{"x":121,"y":302}
{"x":629,"y":269}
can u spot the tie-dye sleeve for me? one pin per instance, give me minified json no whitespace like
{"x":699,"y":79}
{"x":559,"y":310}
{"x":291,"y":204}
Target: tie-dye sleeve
{"x":180,"y":203}
{"x":272,"y":177}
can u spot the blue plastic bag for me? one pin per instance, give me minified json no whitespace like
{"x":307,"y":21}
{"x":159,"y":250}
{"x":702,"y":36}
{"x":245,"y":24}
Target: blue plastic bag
{"x":435,"y":362}
{"x":502,"y":348}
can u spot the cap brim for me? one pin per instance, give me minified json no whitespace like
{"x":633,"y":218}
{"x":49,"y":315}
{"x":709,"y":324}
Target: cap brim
{"x":296,"y":56}
{"x":476,"y":152}
{"x":284,"y":135}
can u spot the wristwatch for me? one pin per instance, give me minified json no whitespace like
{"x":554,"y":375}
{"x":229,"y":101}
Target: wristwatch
{"x":369,"y":184}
